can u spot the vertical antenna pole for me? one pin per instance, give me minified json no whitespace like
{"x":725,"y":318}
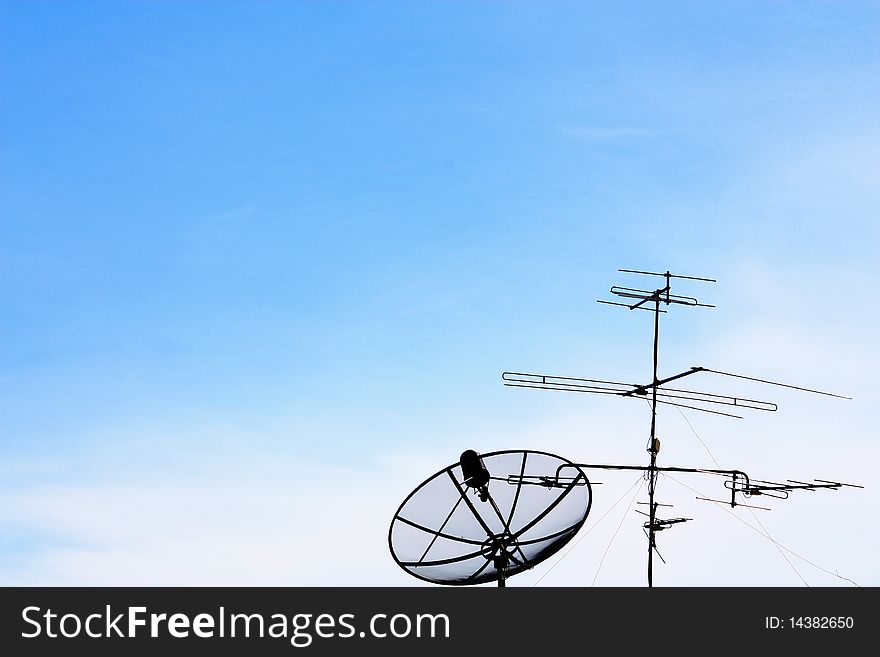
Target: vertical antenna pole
{"x":652,"y":446}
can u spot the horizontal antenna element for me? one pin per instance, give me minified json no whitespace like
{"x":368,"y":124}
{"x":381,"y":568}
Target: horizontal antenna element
{"x":673,"y":396}
{"x":667,"y":275}
{"x":772,"y":383}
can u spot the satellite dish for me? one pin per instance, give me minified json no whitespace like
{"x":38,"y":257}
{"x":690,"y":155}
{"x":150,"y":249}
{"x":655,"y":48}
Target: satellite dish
{"x":489,"y":517}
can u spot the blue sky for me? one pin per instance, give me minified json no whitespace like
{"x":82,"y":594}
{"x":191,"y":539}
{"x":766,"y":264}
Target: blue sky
{"x":258,"y":241}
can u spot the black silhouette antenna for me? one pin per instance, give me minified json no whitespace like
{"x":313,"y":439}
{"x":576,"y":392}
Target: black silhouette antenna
{"x":736,"y":481}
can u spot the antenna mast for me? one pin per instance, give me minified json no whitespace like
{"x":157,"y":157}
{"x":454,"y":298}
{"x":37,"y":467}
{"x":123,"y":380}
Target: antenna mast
{"x":659,"y":295}
{"x":736,"y":481}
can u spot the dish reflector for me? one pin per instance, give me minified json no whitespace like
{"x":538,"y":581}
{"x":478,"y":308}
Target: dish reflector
{"x":445,"y":533}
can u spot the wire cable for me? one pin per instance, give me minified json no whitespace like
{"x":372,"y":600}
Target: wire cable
{"x":709,"y":452}
{"x":702,"y":442}
{"x":757,"y":520}
{"x":765,"y":534}
{"x":769,"y":538}
{"x":616,"y":531}
{"x":584,"y":535}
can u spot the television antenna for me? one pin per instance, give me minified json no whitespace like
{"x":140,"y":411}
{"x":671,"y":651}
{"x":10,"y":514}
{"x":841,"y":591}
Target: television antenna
{"x":736,"y":481}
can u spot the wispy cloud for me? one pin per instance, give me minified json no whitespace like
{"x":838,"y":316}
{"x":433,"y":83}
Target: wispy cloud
{"x":230,"y":215}
{"x":248,"y":523}
{"x":598,"y":133}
